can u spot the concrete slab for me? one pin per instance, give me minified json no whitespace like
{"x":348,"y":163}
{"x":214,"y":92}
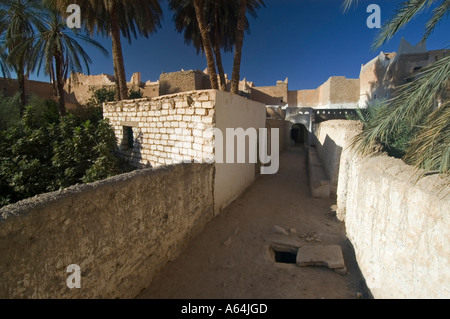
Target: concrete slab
{"x":278,"y":242}
{"x":328,"y":256}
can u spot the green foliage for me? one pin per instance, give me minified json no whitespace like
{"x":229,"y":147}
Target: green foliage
{"x":415,"y":123}
{"x":40,"y":110}
{"x":100,"y":96}
{"x":93,"y":110}
{"x":396,"y":143}
{"x":413,"y":115}
{"x":45,"y":153}
{"x":135,"y":94}
{"x":9,"y":111}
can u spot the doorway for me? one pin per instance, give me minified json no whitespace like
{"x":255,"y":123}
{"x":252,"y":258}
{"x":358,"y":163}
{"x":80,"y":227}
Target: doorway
{"x":299,"y":134}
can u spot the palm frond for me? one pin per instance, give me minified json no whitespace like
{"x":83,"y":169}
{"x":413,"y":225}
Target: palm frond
{"x":412,"y":112}
{"x":430,"y":149}
{"x":347,"y":4}
{"x":405,"y":12}
{"x":438,"y":14}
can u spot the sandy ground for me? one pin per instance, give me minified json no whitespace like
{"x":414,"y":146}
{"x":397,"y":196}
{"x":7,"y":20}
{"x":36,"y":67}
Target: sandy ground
{"x":232,"y":259}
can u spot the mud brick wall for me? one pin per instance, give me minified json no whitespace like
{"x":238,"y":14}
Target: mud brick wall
{"x":165,"y":130}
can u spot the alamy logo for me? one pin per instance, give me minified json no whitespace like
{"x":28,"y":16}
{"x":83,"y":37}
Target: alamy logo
{"x":74,"y":280}
{"x":74,"y":20}
{"x":237,"y":150}
{"x":374,"y":20}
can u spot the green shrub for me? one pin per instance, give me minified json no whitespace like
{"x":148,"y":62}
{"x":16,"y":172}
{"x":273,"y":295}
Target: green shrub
{"x":101,"y":95}
{"x":135,"y":94}
{"x":9,"y":111}
{"x":396,"y":143}
{"x":45,"y":153}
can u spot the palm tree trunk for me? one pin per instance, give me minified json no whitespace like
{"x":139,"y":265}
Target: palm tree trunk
{"x":53,"y":79}
{"x":119,"y":67}
{"x":235,"y":78}
{"x":22,"y":97}
{"x":198,"y":5}
{"x":60,"y":84}
{"x":217,"y":53}
{"x":223,"y":83}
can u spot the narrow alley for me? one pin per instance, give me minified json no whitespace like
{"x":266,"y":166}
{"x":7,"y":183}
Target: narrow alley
{"x":232,"y":259}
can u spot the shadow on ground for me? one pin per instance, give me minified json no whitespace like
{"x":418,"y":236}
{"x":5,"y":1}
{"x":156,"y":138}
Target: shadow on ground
{"x":231,"y":258}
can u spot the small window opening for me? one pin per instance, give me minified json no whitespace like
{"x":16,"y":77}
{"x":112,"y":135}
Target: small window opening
{"x":128,"y":138}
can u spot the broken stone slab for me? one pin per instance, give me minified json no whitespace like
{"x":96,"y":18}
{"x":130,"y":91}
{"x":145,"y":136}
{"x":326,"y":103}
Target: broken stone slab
{"x":279,"y":230}
{"x":283,"y":243}
{"x":328,"y":256}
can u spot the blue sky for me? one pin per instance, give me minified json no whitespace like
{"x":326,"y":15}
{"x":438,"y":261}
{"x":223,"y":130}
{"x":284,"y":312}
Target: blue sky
{"x":305,"y":40}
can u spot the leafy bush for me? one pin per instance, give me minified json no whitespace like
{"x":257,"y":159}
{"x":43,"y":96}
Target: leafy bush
{"x":396,"y":143}
{"x":101,"y":95}
{"x":45,"y":153}
{"x":9,"y":111}
{"x":136,"y":94}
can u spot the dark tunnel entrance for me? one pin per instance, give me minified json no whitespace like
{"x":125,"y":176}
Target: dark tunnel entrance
{"x":299,"y":134}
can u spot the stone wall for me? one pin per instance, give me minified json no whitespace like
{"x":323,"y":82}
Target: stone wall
{"x":344,"y":92}
{"x":120,"y":231}
{"x":284,"y":129}
{"x":183,"y":81}
{"x":399,"y":227}
{"x":304,"y":98}
{"x":80,"y":87}
{"x":175,"y":128}
{"x":336,"y":92}
{"x":167,"y":129}
{"x":271,"y":95}
{"x":330,"y":139}
{"x":43,"y":90}
{"x":375,"y":83}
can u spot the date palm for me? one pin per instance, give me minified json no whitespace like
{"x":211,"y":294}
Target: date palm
{"x":4,"y":68}
{"x":240,"y":28}
{"x":114,"y":18}
{"x":206,"y":40}
{"x":220,"y":17}
{"x":57,"y":50}
{"x":18,"y":21}
{"x":421,"y":105}
{"x":221,"y":21}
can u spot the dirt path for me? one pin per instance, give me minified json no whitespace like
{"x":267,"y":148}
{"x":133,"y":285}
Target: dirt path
{"x":231,"y":258}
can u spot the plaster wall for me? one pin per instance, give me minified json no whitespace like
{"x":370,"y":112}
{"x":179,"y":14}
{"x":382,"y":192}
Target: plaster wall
{"x":233,"y":111}
{"x":120,"y":232}
{"x":399,"y":227}
{"x":330,"y":139}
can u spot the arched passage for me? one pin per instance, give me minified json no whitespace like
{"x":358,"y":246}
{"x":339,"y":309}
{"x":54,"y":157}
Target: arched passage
{"x":299,"y":134}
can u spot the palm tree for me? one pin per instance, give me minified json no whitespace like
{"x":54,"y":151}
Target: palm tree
{"x":421,"y":105}
{"x":113,"y":18}
{"x":240,"y":28}
{"x":55,"y":48}
{"x":4,"y":68}
{"x":19,"y":18}
{"x":221,"y":19}
{"x":206,"y":40}
{"x":219,"y":16}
